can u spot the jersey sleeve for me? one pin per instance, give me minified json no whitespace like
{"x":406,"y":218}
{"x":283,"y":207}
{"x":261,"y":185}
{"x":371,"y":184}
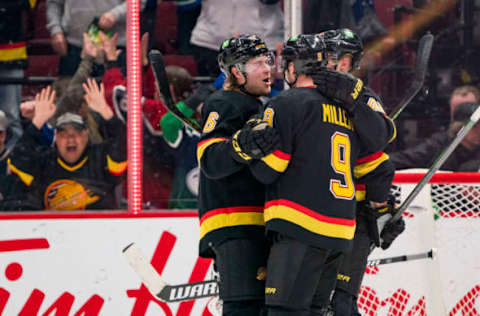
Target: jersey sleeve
{"x":270,"y":167}
{"x":26,"y":160}
{"x":374,"y":175}
{"x":214,"y":148}
{"x":115,"y":146}
{"x":374,"y":128}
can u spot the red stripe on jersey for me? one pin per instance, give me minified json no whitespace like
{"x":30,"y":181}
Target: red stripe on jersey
{"x":311,"y":213}
{"x":369,"y":158}
{"x":282,"y":155}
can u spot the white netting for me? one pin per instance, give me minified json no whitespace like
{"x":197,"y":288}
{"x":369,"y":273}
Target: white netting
{"x":456,"y":200}
{"x":443,"y":216}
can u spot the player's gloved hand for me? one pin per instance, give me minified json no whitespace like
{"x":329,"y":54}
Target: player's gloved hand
{"x":381,"y":230}
{"x":199,"y":96}
{"x":254,"y":141}
{"x":341,"y":87}
{"x":390,"y":232}
{"x":171,"y":125}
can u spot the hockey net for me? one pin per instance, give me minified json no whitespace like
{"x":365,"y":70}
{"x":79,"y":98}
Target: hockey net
{"x":451,"y":202}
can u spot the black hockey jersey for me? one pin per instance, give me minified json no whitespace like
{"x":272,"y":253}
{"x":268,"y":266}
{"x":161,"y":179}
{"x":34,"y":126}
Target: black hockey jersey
{"x":230,"y":199}
{"x":311,"y":195}
{"x":56,"y":185}
{"x":373,"y":170}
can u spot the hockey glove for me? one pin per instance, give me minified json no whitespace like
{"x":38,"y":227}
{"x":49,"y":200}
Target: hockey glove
{"x":341,"y":87}
{"x":254,"y":141}
{"x":390,"y":232}
{"x":171,"y":125}
{"x":199,"y":96}
{"x":381,"y":231}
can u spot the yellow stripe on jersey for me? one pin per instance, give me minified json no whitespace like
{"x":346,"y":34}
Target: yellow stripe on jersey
{"x":311,"y":221}
{"x":231,"y":216}
{"x":116,"y":168}
{"x":360,"y":195}
{"x":201,"y":146}
{"x":277,"y":160}
{"x":364,"y":168}
{"x":394,"y":130}
{"x":13,"y":53}
{"x":73,"y":168}
{"x":25,"y":177}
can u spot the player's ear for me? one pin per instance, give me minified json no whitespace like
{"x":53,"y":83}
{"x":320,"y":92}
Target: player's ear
{"x":237,"y":74}
{"x":291,"y":67}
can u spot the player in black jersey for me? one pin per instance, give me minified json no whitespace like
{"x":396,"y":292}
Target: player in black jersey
{"x":231,"y":200}
{"x":310,"y":196}
{"x":373,"y":171}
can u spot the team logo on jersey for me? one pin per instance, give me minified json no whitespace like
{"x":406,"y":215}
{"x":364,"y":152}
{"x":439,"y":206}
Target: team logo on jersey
{"x":68,"y":195}
{"x":375,"y":105}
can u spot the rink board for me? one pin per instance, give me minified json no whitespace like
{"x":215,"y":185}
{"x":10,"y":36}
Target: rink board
{"x":75,"y":264}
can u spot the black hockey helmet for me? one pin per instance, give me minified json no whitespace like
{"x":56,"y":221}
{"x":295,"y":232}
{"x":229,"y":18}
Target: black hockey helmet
{"x":344,"y":41}
{"x":238,"y":50}
{"x":306,"y":51}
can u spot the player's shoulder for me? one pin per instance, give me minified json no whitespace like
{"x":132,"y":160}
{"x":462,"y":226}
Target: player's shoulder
{"x":297,"y":96}
{"x":221,"y":101}
{"x":373,"y":100}
{"x":368,"y":92}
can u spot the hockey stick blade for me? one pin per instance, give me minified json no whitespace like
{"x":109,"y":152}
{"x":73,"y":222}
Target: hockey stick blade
{"x":430,"y":254}
{"x":191,"y":291}
{"x":158,"y":287}
{"x":421,"y":65}
{"x":161,"y":80}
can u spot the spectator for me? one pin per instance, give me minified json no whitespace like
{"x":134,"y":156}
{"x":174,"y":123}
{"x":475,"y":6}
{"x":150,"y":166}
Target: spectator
{"x":67,"y":20}
{"x":75,"y":174}
{"x":157,"y":164}
{"x":221,"y":19}
{"x":182,"y":138}
{"x":188,"y":12}
{"x":13,"y":59}
{"x":11,"y":189}
{"x":461,"y":95}
{"x":466,"y":156}
{"x":69,"y":95}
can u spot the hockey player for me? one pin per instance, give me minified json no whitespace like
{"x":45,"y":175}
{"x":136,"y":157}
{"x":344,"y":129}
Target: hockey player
{"x":310,"y":196}
{"x":374,"y":171}
{"x":230,"y":199}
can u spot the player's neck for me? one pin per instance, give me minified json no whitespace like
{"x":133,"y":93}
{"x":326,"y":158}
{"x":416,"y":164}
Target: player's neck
{"x":304,"y":81}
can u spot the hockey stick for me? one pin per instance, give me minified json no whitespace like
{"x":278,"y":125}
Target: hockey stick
{"x":191,"y":291}
{"x":429,"y":254}
{"x":442,"y":157}
{"x":159,"y":288}
{"x":158,"y":66}
{"x":421,"y":64}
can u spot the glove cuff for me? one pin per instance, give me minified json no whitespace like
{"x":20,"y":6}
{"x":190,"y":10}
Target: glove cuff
{"x":237,"y":152}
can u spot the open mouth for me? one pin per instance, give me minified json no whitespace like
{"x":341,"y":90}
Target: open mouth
{"x":71,"y":149}
{"x":267,"y":81}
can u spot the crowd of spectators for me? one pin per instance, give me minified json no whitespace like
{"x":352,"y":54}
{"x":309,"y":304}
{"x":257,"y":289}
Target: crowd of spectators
{"x":62,"y":147}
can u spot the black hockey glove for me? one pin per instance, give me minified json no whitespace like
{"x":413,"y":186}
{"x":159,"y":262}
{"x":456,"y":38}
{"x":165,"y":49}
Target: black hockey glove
{"x":381,"y":231}
{"x":199,"y":96}
{"x":341,"y":87}
{"x":254,"y":141}
{"x":391,"y":231}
